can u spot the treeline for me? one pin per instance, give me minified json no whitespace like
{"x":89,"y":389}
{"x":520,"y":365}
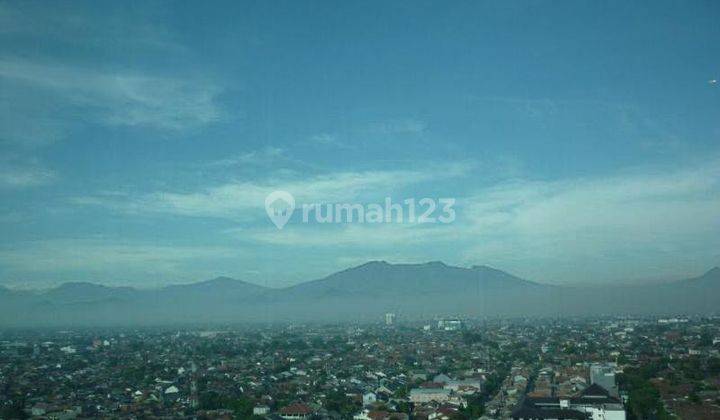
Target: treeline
{"x":644,"y":400}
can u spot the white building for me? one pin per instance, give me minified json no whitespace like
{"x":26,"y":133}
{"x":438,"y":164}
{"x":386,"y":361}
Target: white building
{"x":369,"y":398}
{"x":260,"y":410}
{"x":594,"y":401}
{"x":452,"y":324}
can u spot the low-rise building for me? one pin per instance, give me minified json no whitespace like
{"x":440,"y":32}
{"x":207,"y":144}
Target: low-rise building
{"x":594,"y":403}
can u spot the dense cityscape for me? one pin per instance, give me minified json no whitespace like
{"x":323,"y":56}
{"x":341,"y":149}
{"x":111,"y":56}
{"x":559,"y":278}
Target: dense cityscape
{"x":360,"y":210}
{"x":604,"y":368}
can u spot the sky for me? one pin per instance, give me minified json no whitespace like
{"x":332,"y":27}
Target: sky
{"x":138,"y":140}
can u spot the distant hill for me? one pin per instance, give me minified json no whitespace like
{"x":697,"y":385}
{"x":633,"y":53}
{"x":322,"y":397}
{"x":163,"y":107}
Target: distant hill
{"x":79,"y":292}
{"x":223,"y":288}
{"x":364,"y":292}
{"x":382,"y":279}
{"x":710,"y":279}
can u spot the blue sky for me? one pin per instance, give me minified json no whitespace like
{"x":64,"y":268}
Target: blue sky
{"x":139,"y":139}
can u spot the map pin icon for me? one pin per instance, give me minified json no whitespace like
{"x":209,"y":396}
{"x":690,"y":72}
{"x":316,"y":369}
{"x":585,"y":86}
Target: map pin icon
{"x":279,"y":206}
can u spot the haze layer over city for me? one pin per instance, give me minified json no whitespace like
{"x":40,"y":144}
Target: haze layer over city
{"x":360,"y":210}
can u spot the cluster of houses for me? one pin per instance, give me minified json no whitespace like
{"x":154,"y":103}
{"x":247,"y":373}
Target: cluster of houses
{"x":491,"y":370}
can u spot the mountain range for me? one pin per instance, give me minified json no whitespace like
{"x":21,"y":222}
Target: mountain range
{"x":360,"y":293}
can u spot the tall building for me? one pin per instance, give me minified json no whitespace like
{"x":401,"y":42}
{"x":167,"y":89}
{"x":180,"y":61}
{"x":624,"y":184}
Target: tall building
{"x":451,"y":324}
{"x":604,"y":375}
{"x":389,"y":318}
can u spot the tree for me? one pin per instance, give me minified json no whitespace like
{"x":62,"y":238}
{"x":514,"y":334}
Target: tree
{"x":242,"y":407}
{"x":475,"y":407}
{"x":338,"y":401}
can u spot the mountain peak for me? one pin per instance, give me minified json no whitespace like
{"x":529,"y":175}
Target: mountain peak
{"x":436,"y":264}
{"x":80,"y":285}
{"x":713,"y":271}
{"x":370,"y":265}
{"x":218,"y":283}
{"x":710,"y":277}
{"x":710,"y":274}
{"x":375,"y":263}
{"x":221,"y":280}
{"x":486,"y":268}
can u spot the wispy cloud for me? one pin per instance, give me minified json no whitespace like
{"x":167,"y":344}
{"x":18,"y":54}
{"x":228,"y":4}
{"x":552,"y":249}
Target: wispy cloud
{"x":398,"y":126}
{"x":268,"y":155}
{"x":74,"y":24}
{"x":23,"y":173}
{"x":358,"y":135}
{"x":375,"y":236}
{"x":328,"y":140}
{"x":656,"y":216}
{"x":119,"y":97}
{"x":109,"y":261}
{"x":242,"y":199}
{"x":623,"y":200}
{"x":659,"y":217}
{"x":46,"y":96}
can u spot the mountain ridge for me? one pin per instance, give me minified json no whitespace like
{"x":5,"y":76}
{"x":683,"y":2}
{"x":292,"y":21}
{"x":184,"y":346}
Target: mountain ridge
{"x":225,"y":280}
{"x":418,"y":290}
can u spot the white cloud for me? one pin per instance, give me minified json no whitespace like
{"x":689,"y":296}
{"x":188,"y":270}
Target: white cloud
{"x":265,"y":156}
{"x":24,"y":176}
{"x":365,"y":236}
{"x":76,"y":24}
{"x":647,"y":221}
{"x":622,"y":225}
{"x":45,"y":99}
{"x":110,"y":261}
{"x":235,"y":200}
{"x":118,"y":97}
{"x":325,"y":140}
{"x":620,"y":201}
{"x":398,"y":126}
{"x":659,"y":218}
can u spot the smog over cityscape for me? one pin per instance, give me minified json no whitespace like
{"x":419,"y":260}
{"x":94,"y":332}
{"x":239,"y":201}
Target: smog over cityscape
{"x":377,"y":210}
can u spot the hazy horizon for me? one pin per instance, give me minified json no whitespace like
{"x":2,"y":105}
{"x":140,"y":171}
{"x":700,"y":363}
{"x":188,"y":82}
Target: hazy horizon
{"x":283,"y":285}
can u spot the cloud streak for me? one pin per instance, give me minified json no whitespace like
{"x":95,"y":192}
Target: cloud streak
{"x":245,"y":199}
{"x":375,"y":236}
{"x":108,"y":261}
{"x":119,"y":98}
{"x":665,"y":218}
{"x":18,"y":173}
